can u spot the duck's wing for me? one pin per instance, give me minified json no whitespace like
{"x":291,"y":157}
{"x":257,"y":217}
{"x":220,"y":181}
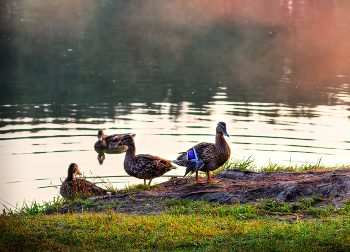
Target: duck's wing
{"x":199,"y":150}
{"x":196,"y":157}
{"x":80,"y":188}
{"x":91,"y":187}
{"x":150,"y":160}
{"x":113,"y":139}
{"x":152,"y":165}
{"x":207,"y":153}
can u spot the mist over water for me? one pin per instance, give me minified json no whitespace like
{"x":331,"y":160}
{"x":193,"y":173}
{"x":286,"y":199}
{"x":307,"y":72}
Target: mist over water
{"x":277,"y":72}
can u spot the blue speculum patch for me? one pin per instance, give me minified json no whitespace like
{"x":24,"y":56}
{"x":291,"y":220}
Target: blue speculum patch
{"x":191,"y":154}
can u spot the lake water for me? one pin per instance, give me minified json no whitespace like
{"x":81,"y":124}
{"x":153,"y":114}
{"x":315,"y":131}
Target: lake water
{"x":277,"y":72}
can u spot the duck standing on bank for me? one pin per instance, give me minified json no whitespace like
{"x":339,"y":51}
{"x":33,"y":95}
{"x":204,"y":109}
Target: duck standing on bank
{"x":72,"y":187}
{"x":143,"y":166}
{"x":107,"y":141}
{"x":206,"y":157}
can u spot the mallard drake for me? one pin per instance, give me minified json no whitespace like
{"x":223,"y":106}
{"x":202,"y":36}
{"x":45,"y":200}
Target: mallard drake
{"x":72,"y":187}
{"x":143,"y":166}
{"x":206,"y":157}
{"x":107,"y":141}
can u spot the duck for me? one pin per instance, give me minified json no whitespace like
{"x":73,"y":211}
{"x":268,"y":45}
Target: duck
{"x":206,"y":157}
{"x":107,"y":141}
{"x":72,"y":187}
{"x":143,"y":166}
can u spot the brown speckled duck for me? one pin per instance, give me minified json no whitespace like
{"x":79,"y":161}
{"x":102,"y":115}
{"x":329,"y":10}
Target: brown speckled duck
{"x":72,"y":187}
{"x":107,"y":141}
{"x":206,"y":157}
{"x":143,"y":166}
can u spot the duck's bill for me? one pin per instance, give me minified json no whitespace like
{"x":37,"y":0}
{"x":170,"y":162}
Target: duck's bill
{"x":225,"y":133}
{"x":78,"y":172}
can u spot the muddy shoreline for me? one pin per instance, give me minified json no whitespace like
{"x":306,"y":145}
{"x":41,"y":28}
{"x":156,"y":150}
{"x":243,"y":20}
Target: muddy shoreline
{"x":235,"y":186}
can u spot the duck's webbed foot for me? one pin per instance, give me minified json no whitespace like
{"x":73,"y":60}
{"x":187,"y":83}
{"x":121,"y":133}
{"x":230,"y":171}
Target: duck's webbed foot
{"x":209,"y":180}
{"x":198,"y":180}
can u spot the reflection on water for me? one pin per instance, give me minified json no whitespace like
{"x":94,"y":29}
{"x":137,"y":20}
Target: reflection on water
{"x":277,"y":72}
{"x":103,"y":151}
{"x":114,"y":52}
{"x":35,"y":160}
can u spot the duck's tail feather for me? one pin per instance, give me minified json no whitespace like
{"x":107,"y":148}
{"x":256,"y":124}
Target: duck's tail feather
{"x":193,"y":166}
{"x":190,"y":161}
{"x":193,"y":163}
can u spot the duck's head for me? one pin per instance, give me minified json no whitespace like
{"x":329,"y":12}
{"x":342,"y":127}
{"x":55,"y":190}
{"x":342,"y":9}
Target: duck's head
{"x":126,"y":140}
{"x":72,"y":170}
{"x":100,"y":135}
{"x":221,"y":128}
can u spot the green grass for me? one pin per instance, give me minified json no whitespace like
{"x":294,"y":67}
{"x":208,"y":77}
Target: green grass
{"x":243,"y":164}
{"x":300,"y":168}
{"x":264,"y":207}
{"x":34,"y":208}
{"x":266,"y":225}
{"x":188,"y":226}
{"x":248,"y":164}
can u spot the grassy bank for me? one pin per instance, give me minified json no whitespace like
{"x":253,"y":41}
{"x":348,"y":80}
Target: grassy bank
{"x":183,"y":225}
{"x":248,"y":164}
{"x":187,"y":226}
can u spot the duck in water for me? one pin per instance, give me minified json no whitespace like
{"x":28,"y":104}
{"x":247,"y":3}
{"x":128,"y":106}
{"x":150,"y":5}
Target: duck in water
{"x":107,"y":141}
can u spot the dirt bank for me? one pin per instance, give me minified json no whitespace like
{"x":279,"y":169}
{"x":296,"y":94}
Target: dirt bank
{"x":235,"y":186}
